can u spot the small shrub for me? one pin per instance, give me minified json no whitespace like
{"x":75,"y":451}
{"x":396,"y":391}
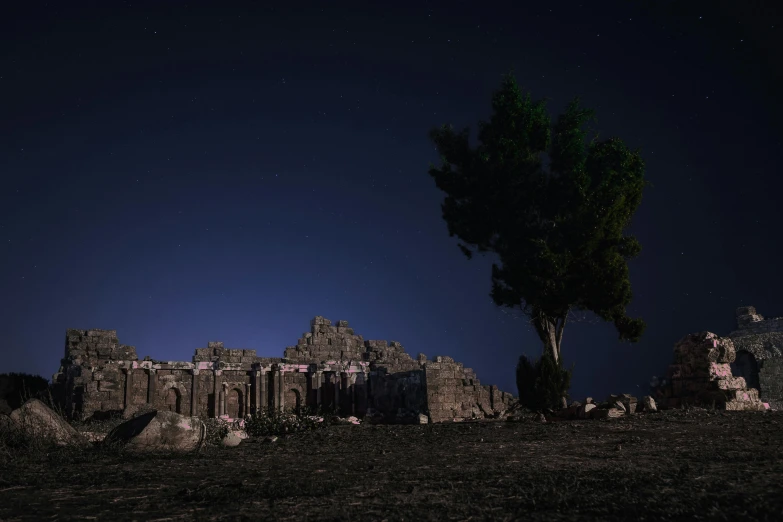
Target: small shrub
{"x":281,"y":423}
{"x":16,"y":388}
{"x":542,"y":383}
{"x":216,"y":430}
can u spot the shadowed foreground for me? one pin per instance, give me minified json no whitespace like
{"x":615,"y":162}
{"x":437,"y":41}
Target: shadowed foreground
{"x":672,"y":465}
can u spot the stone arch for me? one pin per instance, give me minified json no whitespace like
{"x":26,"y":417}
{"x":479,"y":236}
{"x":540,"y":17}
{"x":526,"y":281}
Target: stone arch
{"x":173,"y":400}
{"x":235,"y":403}
{"x":174,"y":395}
{"x":294,"y":395}
{"x":745,"y":365}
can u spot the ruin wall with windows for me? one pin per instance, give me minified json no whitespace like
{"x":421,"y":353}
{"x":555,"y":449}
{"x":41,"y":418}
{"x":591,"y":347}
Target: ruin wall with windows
{"x":330,"y":367}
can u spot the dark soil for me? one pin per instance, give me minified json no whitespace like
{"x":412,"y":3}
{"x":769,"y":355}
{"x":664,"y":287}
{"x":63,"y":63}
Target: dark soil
{"x":674,"y":465}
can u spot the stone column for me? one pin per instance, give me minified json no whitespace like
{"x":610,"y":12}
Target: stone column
{"x":216,"y":374}
{"x":194,"y":394}
{"x":264,"y":390}
{"x":246,"y":402}
{"x":152,"y":378}
{"x":352,"y":378}
{"x":256,"y":391}
{"x":273,"y":383}
{"x":128,"y":387}
{"x":366,"y":391}
{"x":315,"y":380}
{"x":223,"y":400}
{"x":337,"y":392}
{"x":281,"y":390}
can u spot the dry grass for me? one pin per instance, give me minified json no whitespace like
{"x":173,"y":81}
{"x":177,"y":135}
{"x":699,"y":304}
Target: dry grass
{"x":676,"y":465}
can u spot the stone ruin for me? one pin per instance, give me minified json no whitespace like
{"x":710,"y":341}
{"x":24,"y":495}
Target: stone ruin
{"x":759,"y":346}
{"x":330,"y":366}
{"x":701,"y":375}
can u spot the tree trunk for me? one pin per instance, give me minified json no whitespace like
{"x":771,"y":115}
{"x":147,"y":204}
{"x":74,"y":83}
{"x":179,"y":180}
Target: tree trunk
{"x":550,"y":331}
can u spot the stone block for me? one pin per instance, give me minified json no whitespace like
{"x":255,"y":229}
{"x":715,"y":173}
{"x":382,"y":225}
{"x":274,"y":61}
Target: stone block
{"x":609,"y":413}
{"x":108,"y":386}
{"x":732,"y":383}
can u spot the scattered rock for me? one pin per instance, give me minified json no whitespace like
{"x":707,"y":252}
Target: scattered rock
{"x":347,"y":420}
{"x":423,"y":419}
{"x":584,"y":410}
{"x":231,"y":440}
{"x":610,"y":413}
{"x":270,"y":439}
{"x":93,"y":437}
{"x":37,"y":420}
{"x":160,"y":430}
{"x":649,"y":403}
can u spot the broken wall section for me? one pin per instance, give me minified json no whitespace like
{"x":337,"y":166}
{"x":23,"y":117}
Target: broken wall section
{"x":762,"y":339}
{"x":391,"y":356}
{"x":325,"y":342}
{"x":771,"y":382}
{"x":454,"y":392}
{"x":90,"y":378}
{"x":701,"y":375}
{"x":215,"y":351}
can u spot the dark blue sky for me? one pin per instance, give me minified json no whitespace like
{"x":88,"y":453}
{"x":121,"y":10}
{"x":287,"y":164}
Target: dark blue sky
{"x":183,"y":173}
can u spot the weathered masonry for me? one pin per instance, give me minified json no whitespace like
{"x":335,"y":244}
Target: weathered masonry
{"x":759,"y":346}
{"x":330,"y":367}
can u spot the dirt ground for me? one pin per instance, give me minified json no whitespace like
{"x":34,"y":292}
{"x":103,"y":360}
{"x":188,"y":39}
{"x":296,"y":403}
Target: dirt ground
{"x":674,"y":465}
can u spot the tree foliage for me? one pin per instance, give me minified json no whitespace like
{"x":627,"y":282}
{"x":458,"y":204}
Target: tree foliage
{"x":558,"y":229}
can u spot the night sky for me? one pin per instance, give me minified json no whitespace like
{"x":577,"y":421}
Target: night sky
{"x":185,"y":173}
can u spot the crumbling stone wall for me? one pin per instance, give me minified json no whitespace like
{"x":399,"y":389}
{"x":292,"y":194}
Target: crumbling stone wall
{"x":701,"y":375}
{"x":454,"y":392}
{"x":325,"y":342}
{"x":90,"y":379}
{"x":330,"y":367}
{"x":759,"y":345}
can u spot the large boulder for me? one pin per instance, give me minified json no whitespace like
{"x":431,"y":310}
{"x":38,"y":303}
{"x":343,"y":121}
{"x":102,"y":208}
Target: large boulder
{"x":159,"y":431}
{"x":37,"y":420}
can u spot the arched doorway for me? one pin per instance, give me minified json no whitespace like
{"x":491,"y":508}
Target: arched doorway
{"x":173,"y":400}
{"x":295,"y":398}
{"x":745,"y":365}
{"x":234,"y":404}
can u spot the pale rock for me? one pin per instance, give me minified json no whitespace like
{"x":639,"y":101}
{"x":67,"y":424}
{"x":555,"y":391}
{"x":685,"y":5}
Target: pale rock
{"x":583,"y":412}
{"x":231,"y":440}
{"x":610,"y":413}
{"x":37,"y":420}
{"x":159,"y":431}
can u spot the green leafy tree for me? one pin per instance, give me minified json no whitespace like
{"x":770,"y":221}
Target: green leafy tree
{"x":558,"y":229}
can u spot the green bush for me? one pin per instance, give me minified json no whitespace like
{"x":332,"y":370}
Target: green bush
{"x":542,"y":383}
